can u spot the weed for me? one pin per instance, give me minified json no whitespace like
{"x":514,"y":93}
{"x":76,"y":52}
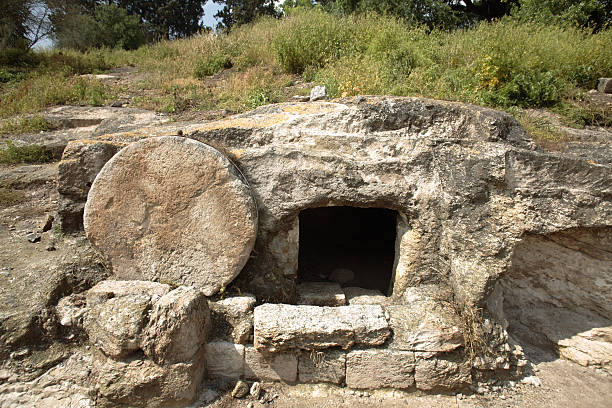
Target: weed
{"x":212,"y":64}
{"x":25,"y":124}
{"x":30,"y":154}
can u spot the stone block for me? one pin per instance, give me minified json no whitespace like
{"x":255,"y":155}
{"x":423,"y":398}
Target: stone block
{"x":178,"y":326}
{"x":116,"y":288}
{"x":270,"y":367}
{"x":380,"y":368}
{"x":439,"y":372}
{"x":322,"y":366}
{"x":281,"y":327}
{"x":320,"y":294}
{"x":233,"y":318}
{"x":224,"y":359}
{"x":361,"y":296}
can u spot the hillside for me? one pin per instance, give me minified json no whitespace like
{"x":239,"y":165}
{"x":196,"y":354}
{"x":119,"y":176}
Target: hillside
{"x":506,"y":64}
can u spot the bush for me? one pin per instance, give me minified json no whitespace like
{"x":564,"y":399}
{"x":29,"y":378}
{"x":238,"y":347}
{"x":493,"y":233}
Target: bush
{"x":211,"y":64}
{"x":313,"y":38}
{"x":17,"y":57}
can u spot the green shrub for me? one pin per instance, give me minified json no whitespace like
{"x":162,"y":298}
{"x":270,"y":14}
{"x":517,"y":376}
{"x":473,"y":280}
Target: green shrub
{"x":17,"y":57}
{"x":29,"y":154}
{"x":313,"y":38}
{"x":211,"y":64}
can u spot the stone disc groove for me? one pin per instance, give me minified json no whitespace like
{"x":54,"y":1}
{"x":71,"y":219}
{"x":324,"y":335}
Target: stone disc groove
{"x":172,"y":210}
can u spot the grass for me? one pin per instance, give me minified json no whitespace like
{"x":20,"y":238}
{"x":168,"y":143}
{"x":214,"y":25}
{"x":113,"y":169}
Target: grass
{"x":503,"y":64}
{"x":25,"y":124}
{"x":28,"y":154}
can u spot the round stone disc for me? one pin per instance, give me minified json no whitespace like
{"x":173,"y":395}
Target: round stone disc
{"x":172,"y":210}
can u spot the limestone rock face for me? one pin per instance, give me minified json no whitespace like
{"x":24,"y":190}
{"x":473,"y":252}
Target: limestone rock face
{"x":172,"y":209}
{"x":470,"y":189}
{"x":178,"y":326}
{"x":281,"y":327}
{"x":270,"y":367}
{"x":422,"y":324}
{"x":440,"y":373}
{"x":224,"y":359}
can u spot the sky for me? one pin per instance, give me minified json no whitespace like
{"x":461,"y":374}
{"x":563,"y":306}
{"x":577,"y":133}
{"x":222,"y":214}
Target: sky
{"x":210,"y":9}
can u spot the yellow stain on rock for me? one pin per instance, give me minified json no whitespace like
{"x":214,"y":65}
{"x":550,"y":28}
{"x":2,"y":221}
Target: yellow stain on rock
{"x":247,"y":122}
{"x":312,"y":108}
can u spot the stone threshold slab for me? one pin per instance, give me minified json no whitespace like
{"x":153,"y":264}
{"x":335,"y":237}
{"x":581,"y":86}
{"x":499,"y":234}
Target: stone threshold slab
{"x":281,"y":327}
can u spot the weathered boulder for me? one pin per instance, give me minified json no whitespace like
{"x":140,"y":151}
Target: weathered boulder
{"x":142,"y":383}
{"x":172,"y":195}
{"x":109,"y":289}
{"x":115,"y":325}
{"x":233,"y":318}
{"x":280,"y":327}
{"x":178,"y":326}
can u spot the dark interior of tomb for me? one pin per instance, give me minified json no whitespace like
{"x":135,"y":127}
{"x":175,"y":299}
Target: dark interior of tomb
{"x":359,"y":239}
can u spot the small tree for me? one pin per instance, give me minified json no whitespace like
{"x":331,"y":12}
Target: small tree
{"x":110,"y":26}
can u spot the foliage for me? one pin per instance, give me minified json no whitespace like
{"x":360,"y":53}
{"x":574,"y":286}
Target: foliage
{"x":211,"y":64}
{"x":30,"y":154}
{"x":312,"y":39}
{"x":109,"y":26}
{"x":40,"y":91}
{"x":167,"y":18}
{"x":584,"y":13}
{"x":238,"y":12}
{"x":509,"y":64}
{"x":23,"y":23}
{"x":27,"y":124}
